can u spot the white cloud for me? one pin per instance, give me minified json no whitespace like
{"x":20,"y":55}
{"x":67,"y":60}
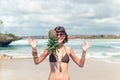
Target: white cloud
{"x":10,"y":21}
{"x":82,"y":15}
{"x":28,"y":6}
{"x":116,"y":1}
{"x":111,"y":20}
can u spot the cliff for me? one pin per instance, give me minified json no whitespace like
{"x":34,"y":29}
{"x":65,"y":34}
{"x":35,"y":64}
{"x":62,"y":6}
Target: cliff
{"x":6,"y":39}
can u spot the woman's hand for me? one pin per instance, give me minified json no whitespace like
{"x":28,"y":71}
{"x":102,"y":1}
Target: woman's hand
{"x":86,"y":45}
{"x":32,"y":42}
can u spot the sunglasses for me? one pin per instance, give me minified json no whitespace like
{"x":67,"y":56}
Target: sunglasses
{"x":60,"y":34}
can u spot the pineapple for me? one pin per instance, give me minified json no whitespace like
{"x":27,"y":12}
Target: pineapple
{"x":52,"y":42}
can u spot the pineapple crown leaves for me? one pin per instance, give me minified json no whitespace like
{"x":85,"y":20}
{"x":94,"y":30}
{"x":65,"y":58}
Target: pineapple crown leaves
{"x":52,"y":42}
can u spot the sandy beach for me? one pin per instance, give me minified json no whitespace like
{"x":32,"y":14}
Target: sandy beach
{"x":25,"y":69}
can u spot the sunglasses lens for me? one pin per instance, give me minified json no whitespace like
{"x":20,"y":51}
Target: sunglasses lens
{"x":60,"y":34}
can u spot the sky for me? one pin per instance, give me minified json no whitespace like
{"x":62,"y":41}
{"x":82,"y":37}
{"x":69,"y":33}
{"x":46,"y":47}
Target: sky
{"x":78,"y":17}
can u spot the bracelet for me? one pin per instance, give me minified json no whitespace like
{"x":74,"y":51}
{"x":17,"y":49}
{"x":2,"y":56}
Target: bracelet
{"x":34,"y":53}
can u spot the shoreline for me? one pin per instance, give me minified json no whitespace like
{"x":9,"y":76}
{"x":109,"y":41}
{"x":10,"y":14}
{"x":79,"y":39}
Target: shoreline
{"x":114,"y":60}
{"x":25,"y":69}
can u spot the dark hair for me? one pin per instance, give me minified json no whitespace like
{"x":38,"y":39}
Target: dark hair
{"x":62,"y":29}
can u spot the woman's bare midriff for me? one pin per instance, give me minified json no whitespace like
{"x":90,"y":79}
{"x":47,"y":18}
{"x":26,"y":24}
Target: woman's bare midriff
{"x":56,"y":74}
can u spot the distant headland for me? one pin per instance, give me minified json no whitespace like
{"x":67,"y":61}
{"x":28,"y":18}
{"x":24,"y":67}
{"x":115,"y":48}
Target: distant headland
{"x":117,"y":36}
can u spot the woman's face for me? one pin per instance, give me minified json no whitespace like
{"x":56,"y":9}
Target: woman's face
{"x":60,"y":37}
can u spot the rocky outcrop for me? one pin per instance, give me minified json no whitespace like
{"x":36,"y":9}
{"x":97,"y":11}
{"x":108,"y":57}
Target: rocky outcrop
{"x":6,"y":40}
{"x":4,"y":56}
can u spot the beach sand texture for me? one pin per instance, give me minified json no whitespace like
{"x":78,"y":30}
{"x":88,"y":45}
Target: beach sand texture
{"x":25,"y":69}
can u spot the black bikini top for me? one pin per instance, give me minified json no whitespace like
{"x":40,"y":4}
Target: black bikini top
{"x":65,"y":58}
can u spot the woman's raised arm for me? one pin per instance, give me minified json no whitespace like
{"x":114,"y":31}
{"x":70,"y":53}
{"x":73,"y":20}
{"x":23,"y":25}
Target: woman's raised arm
{"x":37,"y":59}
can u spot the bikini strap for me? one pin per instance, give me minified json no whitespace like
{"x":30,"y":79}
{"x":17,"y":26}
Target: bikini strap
{"x":65,"y":49}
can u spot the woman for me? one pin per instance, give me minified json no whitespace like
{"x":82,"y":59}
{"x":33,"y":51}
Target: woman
{"x":59,"y":61}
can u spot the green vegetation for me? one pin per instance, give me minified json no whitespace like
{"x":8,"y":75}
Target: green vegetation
{"x":13,"y":36}
{"x":10,"y":35}
{"x":1,"y":21}
{"x":52,"y":44}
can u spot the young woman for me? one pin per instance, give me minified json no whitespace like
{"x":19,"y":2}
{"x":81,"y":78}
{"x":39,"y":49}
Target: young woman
{"x":59,"y":61}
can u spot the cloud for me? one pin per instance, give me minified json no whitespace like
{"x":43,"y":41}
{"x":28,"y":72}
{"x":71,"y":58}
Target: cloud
{"x":29,"y":17}
{"x":116,"y":1}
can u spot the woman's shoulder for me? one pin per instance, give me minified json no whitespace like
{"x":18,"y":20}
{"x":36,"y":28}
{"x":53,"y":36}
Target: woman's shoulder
{"x":68,"y":50}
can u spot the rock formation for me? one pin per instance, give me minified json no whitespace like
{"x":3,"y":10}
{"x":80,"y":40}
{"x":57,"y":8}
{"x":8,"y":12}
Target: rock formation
{"x":6,"y":39}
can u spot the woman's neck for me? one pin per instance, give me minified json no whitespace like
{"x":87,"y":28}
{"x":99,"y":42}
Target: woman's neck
{"x":60,"y":46}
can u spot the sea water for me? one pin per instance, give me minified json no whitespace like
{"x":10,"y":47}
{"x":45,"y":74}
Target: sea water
{"x":101,"y":49}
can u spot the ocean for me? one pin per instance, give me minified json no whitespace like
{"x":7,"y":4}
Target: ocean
{"x":101,"y":49}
